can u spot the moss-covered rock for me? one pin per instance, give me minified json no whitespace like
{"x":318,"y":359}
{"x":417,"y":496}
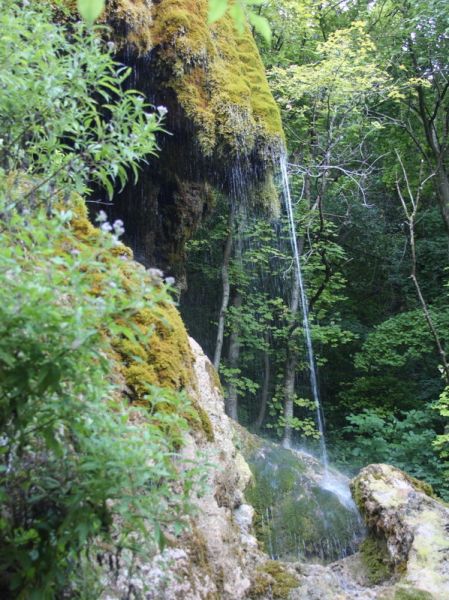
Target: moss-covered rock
{"x":374,"y":555}
{"x":225,"y":127}
{"x":160,"y":354}
{"x":296,"y":517}
{"x":272,"y":579}
{"x":215,"y":71}
{"x":410,"y":528}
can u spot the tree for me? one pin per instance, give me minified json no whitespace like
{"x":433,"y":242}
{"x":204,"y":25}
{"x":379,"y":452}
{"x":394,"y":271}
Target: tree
{"x":415,"y":53}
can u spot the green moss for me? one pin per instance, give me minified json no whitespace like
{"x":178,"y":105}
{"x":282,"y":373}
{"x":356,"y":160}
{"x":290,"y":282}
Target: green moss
{"x":374,"y":555}
{"x":199,"y":558}
{"x":214,"y":377}
{"x":201,"y":422}
{"x":216,"y":72}
{"x":422,"y":486}
{"x":161,"y":356}
{"x":284,"y":487}
{"x":411,"y":593}
{"x":357,"y":495}
{"x":272,"y":578}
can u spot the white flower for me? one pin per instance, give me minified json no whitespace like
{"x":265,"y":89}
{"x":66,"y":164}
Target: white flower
{"x":155,"y":273}
{"x":162,"y":110}
{"x":118,"y":227}
{"x":101,"y":216}
{"x":106,"y":227}
{"x":170,"y":280}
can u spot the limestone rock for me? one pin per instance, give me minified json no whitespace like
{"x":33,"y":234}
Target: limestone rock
{"x":216,"y":558}
{"x":414,"y":527}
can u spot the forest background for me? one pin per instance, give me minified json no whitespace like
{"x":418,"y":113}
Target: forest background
{"x":364,"y":92}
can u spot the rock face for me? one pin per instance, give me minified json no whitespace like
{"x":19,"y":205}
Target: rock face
{"x":411,"y":527}
{"x":224,"y":126}
{"x":219,"y":558}
{"x":302,"y":513}
{"x":406,"y":556}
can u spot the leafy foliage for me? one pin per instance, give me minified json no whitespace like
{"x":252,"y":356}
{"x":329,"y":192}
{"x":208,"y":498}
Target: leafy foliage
{"x":90,"y":10}
{"x":64,"y":113}
{"x":359,"y":83}
{"x":81,"y":472}
{"x":405,"y":441}
{"x":77,"y":466}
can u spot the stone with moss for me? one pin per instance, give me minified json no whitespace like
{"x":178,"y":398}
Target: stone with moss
{"x":225,"y":126}
{"x":272,"y":579}
{"x":296,"y":517}
{"x":152,"y":348}
{"x":374,"y":557}
{"x":215,"y":70}
{"x":411,"y":528}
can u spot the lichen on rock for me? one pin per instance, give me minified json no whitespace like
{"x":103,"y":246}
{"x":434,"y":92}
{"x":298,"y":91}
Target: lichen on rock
{"x":413,"y":527}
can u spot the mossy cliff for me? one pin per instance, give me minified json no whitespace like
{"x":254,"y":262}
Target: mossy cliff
{"x":215,"y":71}
{"x":224,"y":126}
{"x":159,"y":355}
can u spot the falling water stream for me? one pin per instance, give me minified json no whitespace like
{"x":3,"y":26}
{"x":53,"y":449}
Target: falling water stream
{"x":305,"y":312}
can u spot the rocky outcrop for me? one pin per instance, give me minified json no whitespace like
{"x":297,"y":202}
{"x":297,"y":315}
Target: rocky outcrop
{"x":302,"y":512}
{"x":224,"y":126}
{"x":218,"y":557}
{"x":410,"y":530}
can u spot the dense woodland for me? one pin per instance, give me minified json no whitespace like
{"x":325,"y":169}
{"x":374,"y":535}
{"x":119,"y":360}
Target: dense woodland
{"x":92,"y":418}
{"x":364,"y":93}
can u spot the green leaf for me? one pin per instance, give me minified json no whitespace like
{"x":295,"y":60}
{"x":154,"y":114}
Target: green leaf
{"x":261,"y":25}
{"x":90,"y":10}
{"x":217,"y":9}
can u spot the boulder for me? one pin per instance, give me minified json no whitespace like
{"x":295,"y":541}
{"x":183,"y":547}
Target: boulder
{"x":410,"y":527}
{"x":302,"y":511}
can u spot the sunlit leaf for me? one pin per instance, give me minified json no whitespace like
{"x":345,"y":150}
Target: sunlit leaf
{"x":90,"y":10}
{"x":261,"y":25}
{"x":217,"y":9}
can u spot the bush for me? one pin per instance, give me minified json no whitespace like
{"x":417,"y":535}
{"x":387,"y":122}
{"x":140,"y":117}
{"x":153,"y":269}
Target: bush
{"x":64,"y":116}
{"x":74,"y":460}
{"x":405,"y":440}
{"x":79,"y":469}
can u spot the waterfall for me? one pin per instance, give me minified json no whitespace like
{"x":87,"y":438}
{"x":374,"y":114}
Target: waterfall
{"x":305,"y":311}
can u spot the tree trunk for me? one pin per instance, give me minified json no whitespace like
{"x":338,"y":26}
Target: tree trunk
{"x":226,"y":292}
{"x":290,"y":366}
{"x":234,"y":357}
{"x":443,"y":194}
{"x":265,"y":387}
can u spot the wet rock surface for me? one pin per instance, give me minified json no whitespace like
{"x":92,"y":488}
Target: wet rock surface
{"x":302,"y":513}
{"x":406,"y":553}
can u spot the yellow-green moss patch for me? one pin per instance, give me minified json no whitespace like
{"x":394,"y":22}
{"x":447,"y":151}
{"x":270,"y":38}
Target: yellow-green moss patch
{"x":216,"y":71}
{"x":159,"y":354}
{"x":374,"y":555}
{"x":272,"y":578}
{"x":214,"y":377}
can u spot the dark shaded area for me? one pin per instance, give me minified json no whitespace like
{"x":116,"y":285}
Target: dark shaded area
{"x":175,"y":190}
